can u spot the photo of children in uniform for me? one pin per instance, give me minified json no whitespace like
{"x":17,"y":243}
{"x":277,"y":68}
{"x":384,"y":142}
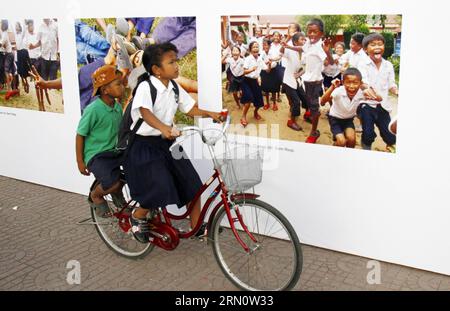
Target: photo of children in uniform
{"x":121,"y":42}
{"x":30,"y":65}
{"x":306,"y":81}
{"x":148,"y":65}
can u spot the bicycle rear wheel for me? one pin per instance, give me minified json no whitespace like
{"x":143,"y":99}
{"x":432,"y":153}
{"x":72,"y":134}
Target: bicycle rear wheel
{"x":275,"y":262}
{"x":115,"y":231}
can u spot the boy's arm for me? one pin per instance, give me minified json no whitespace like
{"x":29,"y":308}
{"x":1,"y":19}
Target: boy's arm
{"x":327,"y":49}
{"x":327,"y":96}
{"x":247,"y":71}
{"x":392,"y":85}
{"x":79,"y":148}
{"x":224,"y":59}
{"x":153,"y":121}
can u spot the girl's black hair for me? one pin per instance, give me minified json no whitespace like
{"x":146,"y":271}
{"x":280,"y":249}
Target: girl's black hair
{"x":153,"y":55}
{"x":251,"y":45}
{"x":236,"y":47}
{"x":268,"y":41}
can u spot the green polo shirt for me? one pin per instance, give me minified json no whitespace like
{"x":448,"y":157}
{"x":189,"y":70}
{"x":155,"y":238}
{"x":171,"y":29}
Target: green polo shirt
{"x":99,"y":125}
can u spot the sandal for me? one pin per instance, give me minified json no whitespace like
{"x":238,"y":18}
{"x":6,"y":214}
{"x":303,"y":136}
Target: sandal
{"x":266,"y":107}
{"x":312,"y":139}
{"x":257,"y":116}
{"x":275,"y":107}
{"x":101,"y":210}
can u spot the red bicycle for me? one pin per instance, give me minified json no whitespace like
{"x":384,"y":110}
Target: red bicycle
{"x":254,"y":244}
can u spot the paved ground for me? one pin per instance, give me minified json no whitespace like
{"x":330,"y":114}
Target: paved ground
{"x":40,"y":237}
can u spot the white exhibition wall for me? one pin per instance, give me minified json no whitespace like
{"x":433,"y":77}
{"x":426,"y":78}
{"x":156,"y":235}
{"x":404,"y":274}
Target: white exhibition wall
{"x":387,"y":207}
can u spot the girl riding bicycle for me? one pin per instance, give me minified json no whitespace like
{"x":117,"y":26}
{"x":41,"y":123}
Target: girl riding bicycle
{"x":155,"y":178}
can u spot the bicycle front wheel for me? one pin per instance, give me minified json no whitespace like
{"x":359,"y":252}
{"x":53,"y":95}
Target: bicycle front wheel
{"x":115,"y":231}
{"x":274,"y":261}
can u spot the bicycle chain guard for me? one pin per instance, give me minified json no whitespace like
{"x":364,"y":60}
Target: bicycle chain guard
{"x":169,"y":233}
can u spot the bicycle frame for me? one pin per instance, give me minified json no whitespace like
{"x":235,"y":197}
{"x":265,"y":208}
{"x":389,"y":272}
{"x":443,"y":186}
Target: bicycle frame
{"x":220,"y":189}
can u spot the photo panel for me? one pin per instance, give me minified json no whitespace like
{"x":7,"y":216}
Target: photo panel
{"x":30,"y":71}
{"x":121,"y":42}
{"x":324,"y":79}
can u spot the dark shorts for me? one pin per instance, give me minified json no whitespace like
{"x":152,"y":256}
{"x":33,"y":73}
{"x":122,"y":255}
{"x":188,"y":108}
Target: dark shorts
{"x":37,"y":62}
{"x":49,"y":69}
{"x":106,"y":168}
{"x":371,"y":116}
{"x":23,"y":63}
{"x":155,"y":177}
{"x":251,"y":92}
{"x":2,"y":68}
{"x":313,"y":91}
{"x":338,"y":126}
{"x":296,"y":96}
{"x":270,"y":81}
{"x":10,"y":66}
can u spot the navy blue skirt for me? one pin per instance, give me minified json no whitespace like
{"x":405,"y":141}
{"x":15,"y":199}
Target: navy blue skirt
{"x":270,"y":81}
{"x":251,"y":92}
{"x":157,"y":178}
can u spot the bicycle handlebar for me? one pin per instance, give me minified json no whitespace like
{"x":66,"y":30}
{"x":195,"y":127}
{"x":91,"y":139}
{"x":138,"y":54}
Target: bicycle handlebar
{"x":200,"y":131}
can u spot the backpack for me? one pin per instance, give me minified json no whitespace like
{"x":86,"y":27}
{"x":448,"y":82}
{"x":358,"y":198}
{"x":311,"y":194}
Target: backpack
{"x":126,"y":135}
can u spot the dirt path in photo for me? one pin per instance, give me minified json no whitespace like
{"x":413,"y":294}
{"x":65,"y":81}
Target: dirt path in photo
{"x":29,"y":101}
{"x":280,"y":117}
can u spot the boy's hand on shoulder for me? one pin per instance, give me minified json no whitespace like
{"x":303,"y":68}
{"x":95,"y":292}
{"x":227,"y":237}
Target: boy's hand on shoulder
{"x":83,"y":169}
{"x":370,"y":93}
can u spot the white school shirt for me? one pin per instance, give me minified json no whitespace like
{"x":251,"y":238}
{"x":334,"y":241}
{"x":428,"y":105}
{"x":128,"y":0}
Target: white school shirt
{"x":20,"y":38}
{"x":250,"y":62}
{"x":164,"y":108}
{"x":236,"y":66}
{"x":354,"y":59}
{"x":274,"y":51}
{"x":292,"y":64}
{"x":381,"y":80}
{"x":314,"y":56}
{"x":343,"y":107}
{"x":266,"y":57}
{"x":48,"y":35}
{"x":333,"y":69}
{"x":6,"y":44}
{"x":32,"y":39}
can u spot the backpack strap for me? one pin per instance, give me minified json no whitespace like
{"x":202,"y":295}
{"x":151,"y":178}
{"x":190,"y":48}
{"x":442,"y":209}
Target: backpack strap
{"x":176,"y":90}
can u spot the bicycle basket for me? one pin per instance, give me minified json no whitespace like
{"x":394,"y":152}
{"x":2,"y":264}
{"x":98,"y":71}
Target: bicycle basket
{"x":241,"y":168}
